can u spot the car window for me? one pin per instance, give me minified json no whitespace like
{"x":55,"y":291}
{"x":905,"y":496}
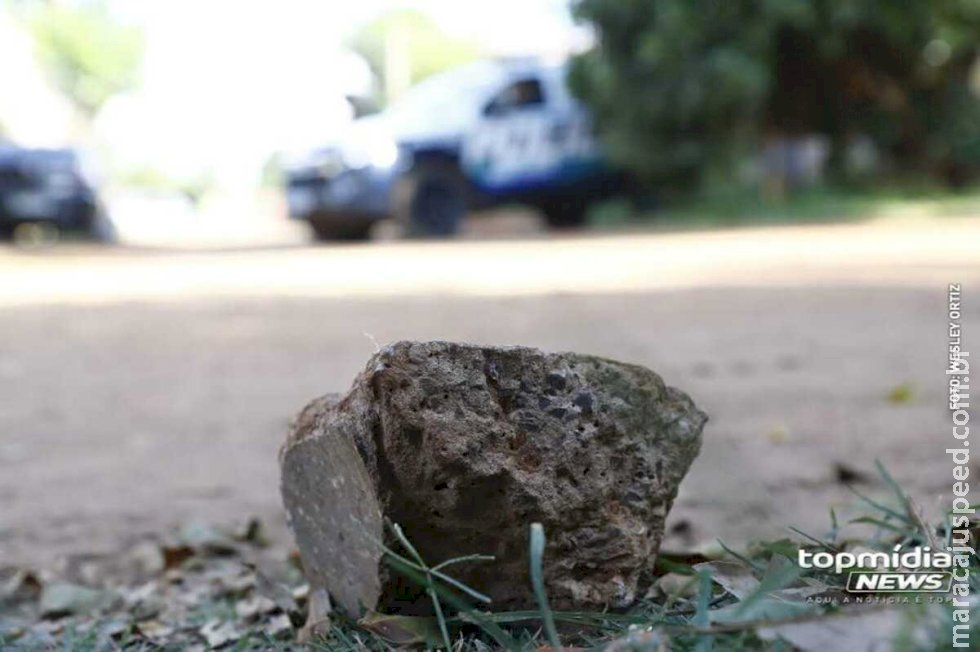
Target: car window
{"x":523,"y":93}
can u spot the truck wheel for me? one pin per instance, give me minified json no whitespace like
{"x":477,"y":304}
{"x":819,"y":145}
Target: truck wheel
{"x":564,"y":212}
{"x":334,"y":228}
{"x":432,"y":201}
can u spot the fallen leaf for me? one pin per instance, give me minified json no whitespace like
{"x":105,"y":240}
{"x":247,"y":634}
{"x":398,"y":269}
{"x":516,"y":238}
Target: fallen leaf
{"x":142,"y":602}
{"x":113,"y":629}
{"x":677,"y":585}
{"x":21,"y":586}
{"x":300,"y":593}
{"x":733,"y":576}
{"x":859,"y":630}
{"x":175,"y":555}
{"x":639,"y":641}
{"x":206,"y":538}
{"x":276,"y":592}
{"x":774,"y":598}
{"x":251,"y":531}
{"x":278,"y":626}
{"x":63,"y":599}
{"x":235,"y":585}
{"x":217,"y":633}
{"x":767,"y":608}
{"x":155,"y":630}
{"x":317,"y":617}
{"x":37,"y":638}
{"x":147,"y":558}
{"x":252,"y":607}
{"x":402,"y":630}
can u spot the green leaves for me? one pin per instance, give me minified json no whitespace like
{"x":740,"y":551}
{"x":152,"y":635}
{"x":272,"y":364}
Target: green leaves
{"x":90,"y":55}
{"x":683,"y":90}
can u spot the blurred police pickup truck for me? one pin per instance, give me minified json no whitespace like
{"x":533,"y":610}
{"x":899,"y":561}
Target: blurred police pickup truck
{"x":45,"y":186}
{"x":485,"y":134}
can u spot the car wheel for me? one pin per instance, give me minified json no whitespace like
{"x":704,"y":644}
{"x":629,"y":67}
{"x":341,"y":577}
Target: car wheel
{"x":336,"y":228}
{"x":564,"y":212}
{"x":432,"y":201}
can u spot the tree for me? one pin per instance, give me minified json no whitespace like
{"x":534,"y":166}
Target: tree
{"x":407,"y":44}
{"x":684,"y":89}
{"x":90,"y":56}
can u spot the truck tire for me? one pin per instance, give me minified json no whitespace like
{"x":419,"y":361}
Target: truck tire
{"x":432,"y":200}
{"x":564,"y":212}
{"x":338,"y":228}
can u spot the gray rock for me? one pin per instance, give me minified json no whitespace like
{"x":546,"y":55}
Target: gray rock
{"x":464,"y":446}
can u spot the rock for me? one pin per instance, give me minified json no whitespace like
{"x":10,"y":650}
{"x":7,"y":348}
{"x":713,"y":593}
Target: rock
{"x":464,"y":446}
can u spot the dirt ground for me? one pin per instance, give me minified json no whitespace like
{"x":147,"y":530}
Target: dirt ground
{"x":143,"y":388}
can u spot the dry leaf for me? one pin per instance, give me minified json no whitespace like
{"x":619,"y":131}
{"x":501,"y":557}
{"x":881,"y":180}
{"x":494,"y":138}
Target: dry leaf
{"x":402,"y":630}
{"x":218,"y":633}
{"x":639,"y":641}
{"x":678,"y":585}
{"x":20,"y":586}
{"x":733,"y":576}
{"x":317,"y":617}
{"x":278,"y":626}
{"x":858,"y":631}
{"x":254,"y":606}
{"x":63,"y":599}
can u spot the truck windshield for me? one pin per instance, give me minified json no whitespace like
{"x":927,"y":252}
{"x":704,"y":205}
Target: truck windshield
{"x":455,"y":95}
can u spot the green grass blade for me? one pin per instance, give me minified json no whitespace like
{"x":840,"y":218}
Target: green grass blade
{"x":903,"y":499}
{"x":440,"y":617}
{"x":870,"y":520}
{"x":702,"y":617}
{"x":742,"y":558}
{"x":467,"y":612}
{"x":458,"y":560}
{"x":473,"y":593}
{"x":879,"y":506}
{"x":822,"y":544}
{"x":537,"y":583}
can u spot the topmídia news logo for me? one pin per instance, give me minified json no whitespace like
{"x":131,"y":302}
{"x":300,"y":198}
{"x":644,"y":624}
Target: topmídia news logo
{"x":917,"y":570}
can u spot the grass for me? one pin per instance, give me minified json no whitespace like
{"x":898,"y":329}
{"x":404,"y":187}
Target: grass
{"x":744,"y":600}
{"x":715,"y":617}
{"x":816,"y":205}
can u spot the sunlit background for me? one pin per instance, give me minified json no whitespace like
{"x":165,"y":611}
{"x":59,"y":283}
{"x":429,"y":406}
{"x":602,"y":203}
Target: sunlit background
{"x":200,"y":96}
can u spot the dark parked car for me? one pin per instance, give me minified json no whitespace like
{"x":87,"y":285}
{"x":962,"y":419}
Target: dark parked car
{"x":45,"y":186}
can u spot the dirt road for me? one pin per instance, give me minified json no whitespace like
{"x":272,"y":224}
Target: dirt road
{"x":141,"y":389}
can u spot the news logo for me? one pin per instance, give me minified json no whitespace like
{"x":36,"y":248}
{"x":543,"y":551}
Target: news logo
{"x":898,"y":582}
{"x":918,"y":570}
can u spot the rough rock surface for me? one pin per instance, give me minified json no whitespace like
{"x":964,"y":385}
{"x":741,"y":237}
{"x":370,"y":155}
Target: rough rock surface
{"x":464,"y":446}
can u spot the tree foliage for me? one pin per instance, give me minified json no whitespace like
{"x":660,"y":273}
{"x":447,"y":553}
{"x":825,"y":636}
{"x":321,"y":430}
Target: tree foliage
{"x":683,"y":89}
{"x":427,"y":48}
{"x":90,"y":55}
